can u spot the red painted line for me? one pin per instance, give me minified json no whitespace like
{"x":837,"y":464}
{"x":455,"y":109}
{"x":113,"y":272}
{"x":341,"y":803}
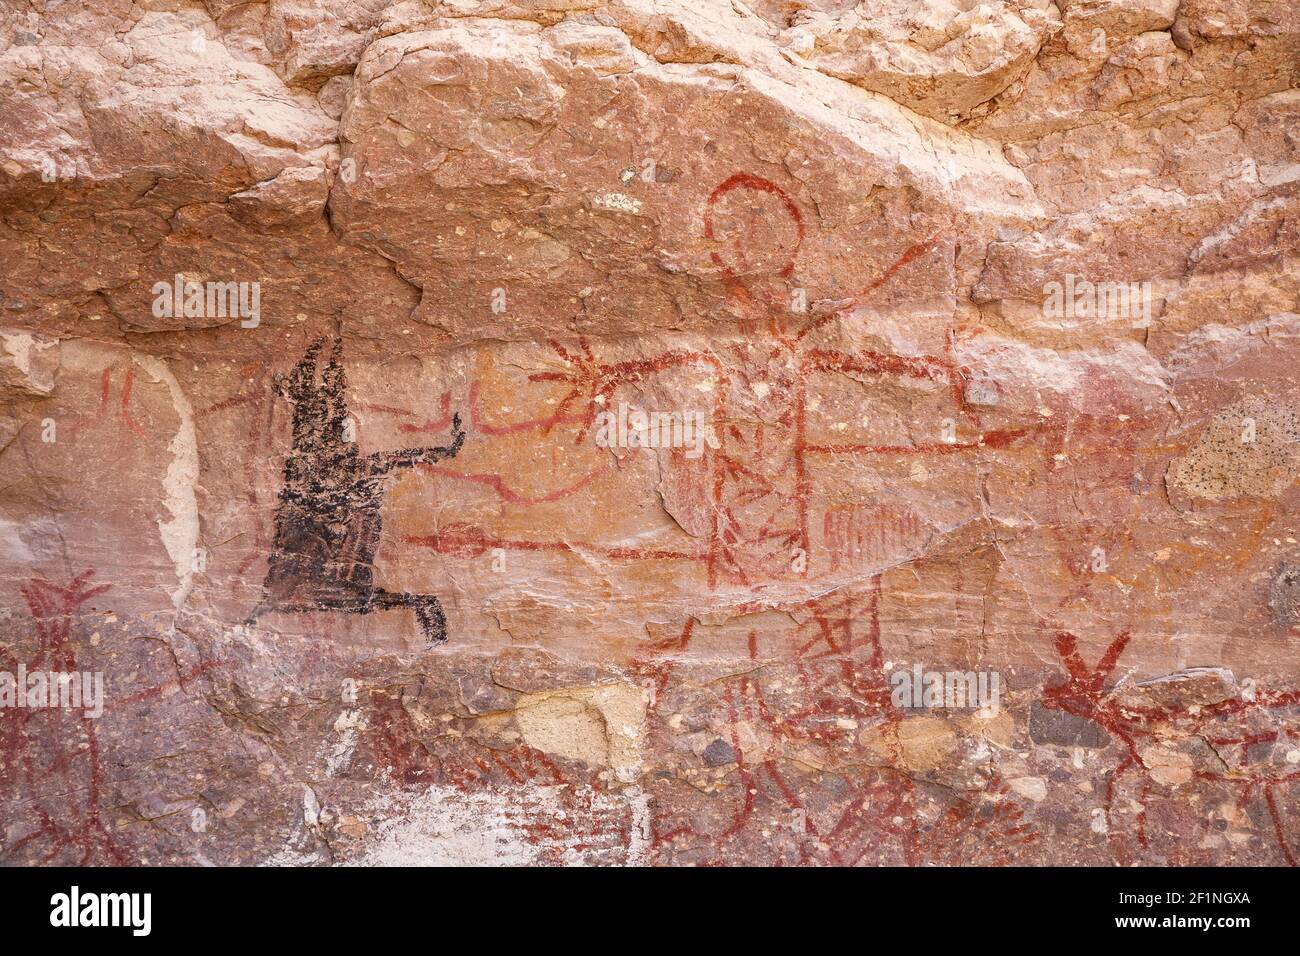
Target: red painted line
{"x":506,"y":493}
{"x":513,"y":428}
{"x":913,"y":252}
{"x":474,"y":542}
{"x":750,"y":181}
{"x":125,"y":412}
{"x":875,"y":363}
{"x":233,"y":402}
{"x":153,"y":693}
{"x":997,"y":439}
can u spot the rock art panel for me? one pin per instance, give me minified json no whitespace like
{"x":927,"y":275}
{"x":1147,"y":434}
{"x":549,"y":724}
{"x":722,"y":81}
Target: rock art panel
{"x":553,"y":434}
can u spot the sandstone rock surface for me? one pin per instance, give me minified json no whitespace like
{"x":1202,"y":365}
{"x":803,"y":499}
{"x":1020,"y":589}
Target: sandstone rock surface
{"x":325,"y":330}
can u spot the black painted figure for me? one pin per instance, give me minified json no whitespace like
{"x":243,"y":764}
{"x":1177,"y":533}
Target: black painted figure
{"x":328,"y":520}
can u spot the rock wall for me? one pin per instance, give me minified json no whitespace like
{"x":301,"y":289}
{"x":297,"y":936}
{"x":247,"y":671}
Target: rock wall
{"x":568,"y":431}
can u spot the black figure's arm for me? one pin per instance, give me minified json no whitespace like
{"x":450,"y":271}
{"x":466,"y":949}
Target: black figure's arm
{"x":385,"y":461}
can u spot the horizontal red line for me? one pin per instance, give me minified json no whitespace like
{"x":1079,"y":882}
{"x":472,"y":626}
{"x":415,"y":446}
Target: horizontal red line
{"x":476,"y":542}
{"x":993,"y":439}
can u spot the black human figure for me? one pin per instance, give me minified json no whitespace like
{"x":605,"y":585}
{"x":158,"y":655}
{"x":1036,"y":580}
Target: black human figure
{"x":328,"y":521}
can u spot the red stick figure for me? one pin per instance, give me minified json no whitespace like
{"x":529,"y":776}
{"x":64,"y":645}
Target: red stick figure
{"x":52,"y":756}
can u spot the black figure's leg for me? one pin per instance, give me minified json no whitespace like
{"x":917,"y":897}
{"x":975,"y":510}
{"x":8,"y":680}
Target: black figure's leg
{"x":428,"y":611}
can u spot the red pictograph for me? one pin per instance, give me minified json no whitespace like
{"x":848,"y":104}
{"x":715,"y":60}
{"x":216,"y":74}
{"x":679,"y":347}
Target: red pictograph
{"x":54,"y":759}
{"x":757,"y":484}
{"x":559,"y":812}
{"x":757,"y":487}
{"x":1232,"y":726}
{"x":756,"y":491}
{"x":53,"y":756}
{"x":124,"y":417}
{"x":834,"y":687}
{"x":866,"y":536}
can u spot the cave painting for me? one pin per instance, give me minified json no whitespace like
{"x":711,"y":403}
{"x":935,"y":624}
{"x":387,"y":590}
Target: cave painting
{"x":328,"y":519}
{"x":755,"y":490}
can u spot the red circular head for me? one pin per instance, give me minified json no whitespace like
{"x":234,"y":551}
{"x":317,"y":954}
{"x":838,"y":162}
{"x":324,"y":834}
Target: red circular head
{"x":758,"y":227}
